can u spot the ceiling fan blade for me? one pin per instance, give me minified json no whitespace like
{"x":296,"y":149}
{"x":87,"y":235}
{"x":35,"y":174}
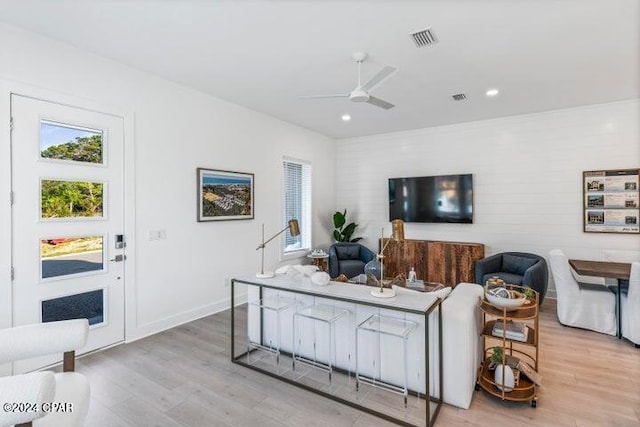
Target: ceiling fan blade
{"x":339,"y":95}
{"x":380,"y":103}
{"x":378,"y":78}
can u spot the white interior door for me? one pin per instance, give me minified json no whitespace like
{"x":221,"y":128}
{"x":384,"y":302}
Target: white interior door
{"x":67,"y":220}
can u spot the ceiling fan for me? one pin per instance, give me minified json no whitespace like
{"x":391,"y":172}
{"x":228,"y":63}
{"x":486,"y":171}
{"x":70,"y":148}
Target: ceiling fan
{"x":361,"y":92}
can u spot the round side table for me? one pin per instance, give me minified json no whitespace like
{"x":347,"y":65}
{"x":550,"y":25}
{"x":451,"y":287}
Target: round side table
{"x":321,"y":261}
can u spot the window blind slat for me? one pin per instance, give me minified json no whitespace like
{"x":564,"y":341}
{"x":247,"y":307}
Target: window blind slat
{"x":297,"y":204}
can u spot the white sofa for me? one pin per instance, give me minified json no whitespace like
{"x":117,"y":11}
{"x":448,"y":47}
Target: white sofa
{"x":461,"y":344}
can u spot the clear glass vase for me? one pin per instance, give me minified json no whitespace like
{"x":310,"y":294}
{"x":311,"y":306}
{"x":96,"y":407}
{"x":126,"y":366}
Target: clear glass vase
{"x":373,"y":267}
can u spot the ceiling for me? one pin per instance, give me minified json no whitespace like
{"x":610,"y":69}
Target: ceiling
{"x":541,"y":54}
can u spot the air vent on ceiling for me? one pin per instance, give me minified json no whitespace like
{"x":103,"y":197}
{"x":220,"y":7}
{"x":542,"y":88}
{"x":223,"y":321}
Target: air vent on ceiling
{"x":459,"y":97}
{"x":424,"y":38}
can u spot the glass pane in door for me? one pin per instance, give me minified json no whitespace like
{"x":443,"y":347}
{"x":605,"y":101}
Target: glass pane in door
{"x":71,"y":199}
{"x":74,"y":255}
{"x":71,"y":143}
{"x":87,"y":305}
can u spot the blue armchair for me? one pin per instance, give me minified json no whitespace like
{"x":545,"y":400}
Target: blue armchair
{"x":348,"y":259}
{"x":516,"y":268}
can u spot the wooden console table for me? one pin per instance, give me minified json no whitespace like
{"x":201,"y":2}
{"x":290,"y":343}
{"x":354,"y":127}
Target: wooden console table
{"x":448,"y":263}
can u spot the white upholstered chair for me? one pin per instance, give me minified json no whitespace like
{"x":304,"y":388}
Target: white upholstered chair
{"x":25,"y":342}
{"x":631,"y":307}
{"x":581,"y":305}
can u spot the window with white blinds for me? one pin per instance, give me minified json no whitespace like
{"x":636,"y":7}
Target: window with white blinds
{"x":297,"y":204}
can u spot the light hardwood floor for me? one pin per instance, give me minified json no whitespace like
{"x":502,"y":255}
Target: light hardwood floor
{"x":183,"y":377}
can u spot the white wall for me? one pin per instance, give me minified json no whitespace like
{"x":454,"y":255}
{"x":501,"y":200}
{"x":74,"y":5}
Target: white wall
{"x":527,"y":173}
{"x":175,"y":130}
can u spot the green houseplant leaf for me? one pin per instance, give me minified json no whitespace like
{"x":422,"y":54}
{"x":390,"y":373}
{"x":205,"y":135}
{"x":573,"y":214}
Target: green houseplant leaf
{"x":342,"y":232}
{"x":496,"y":356}
{"x":339,"y":218}
{"x":348,"y":231}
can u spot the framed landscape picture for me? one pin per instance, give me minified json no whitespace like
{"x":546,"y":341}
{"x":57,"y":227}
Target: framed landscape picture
{"x":224,"y":195}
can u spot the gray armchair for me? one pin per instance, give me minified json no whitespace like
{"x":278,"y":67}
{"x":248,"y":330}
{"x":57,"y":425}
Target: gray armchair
{"x":348,"y":259}
{"x":517,"y":268}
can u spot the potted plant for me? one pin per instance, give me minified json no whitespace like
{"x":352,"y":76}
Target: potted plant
{"x":344,"y":231}
{"x":496,"y":356}
{"x":503,"y":375}
{"x":529,"y":293}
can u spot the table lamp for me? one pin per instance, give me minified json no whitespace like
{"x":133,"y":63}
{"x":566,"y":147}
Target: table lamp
{"x":397,"y":235}
{"x":293,"y":228}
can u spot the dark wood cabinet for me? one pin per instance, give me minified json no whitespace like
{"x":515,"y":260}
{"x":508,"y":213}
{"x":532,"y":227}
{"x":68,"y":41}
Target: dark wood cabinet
{"x":448,"y":263}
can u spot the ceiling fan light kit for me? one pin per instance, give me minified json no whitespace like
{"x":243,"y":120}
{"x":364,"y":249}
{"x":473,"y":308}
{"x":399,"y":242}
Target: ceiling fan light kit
{"x":360,"y":56}
{"x":359,"y":96}
{"x":362,"y":92}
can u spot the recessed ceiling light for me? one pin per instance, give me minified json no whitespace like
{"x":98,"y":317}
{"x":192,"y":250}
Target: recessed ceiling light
{"x":492,"y":92}
{"x":346,"y":117}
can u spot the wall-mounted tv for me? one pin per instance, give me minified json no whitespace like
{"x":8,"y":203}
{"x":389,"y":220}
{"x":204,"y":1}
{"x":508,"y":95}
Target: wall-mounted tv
{"x":445,"y":198}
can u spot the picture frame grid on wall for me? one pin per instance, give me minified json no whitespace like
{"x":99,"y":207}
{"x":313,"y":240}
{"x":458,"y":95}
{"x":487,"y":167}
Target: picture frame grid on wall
{"x":611,"y":201}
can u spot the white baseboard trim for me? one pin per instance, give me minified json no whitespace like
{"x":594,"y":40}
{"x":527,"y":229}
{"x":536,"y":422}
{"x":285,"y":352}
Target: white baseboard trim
{"x":155,"y":327}
{"x":551,"y":293}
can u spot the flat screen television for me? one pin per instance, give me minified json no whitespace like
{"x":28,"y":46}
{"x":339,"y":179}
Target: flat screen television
{"x":445,"y":198}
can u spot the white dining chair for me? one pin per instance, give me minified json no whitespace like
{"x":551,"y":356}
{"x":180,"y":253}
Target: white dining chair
{"x":582,"y":305}
{"x":631,"y":307}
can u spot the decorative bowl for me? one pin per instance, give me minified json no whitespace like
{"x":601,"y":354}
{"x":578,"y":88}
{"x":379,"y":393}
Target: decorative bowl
{"x":502,"y":297}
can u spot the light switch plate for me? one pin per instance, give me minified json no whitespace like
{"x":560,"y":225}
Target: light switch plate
{"x":157,"y":235}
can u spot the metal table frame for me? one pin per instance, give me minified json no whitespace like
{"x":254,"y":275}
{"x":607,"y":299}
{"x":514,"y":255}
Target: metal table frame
{"x":430,"y":420}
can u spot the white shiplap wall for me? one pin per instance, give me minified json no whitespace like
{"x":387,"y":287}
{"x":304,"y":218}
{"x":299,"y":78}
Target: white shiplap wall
{"x":527,"y":173}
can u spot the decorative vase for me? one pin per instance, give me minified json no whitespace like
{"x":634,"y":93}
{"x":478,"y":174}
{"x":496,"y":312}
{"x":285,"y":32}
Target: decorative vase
{"x":508,"y":381}
{"x":373,"y":267}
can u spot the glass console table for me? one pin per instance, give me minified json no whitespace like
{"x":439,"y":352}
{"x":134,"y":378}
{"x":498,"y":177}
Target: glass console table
{"x":250,"y":323}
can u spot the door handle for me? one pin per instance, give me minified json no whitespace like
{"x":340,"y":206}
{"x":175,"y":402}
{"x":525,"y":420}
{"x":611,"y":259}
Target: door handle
{"x":119,"y":258}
